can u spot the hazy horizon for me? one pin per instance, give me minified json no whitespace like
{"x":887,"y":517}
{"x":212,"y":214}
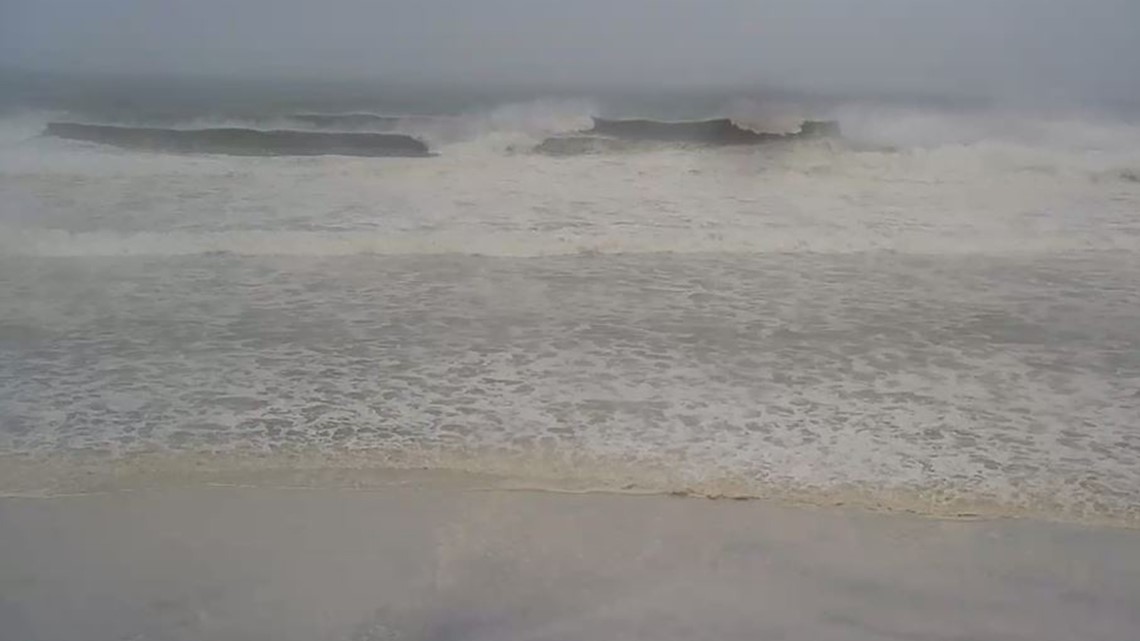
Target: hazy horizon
{"x":1024,"y":51}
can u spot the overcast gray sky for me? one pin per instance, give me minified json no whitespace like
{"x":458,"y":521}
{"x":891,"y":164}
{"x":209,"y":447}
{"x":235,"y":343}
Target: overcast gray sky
{"x":1047,"y":48}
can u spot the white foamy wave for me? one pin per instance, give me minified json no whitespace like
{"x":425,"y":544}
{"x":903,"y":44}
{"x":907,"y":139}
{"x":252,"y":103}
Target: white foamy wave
{"x":777,"y":117}
{"x":60,"y":198}
{"x":909,"y":127}
{"x":1071,"y":139}
{"x":1089,"y":146}
{"x":508,"y":125}
{"x":991,"y":142}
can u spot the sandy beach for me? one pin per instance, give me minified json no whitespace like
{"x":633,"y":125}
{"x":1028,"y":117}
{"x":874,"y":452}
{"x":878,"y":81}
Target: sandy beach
{"x":423,"y":561}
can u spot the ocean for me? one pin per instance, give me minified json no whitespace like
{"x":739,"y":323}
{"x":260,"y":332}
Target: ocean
{"x":936,"y":311}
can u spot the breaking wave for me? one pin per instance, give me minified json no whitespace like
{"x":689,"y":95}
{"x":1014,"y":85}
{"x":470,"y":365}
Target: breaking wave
{"x":350,"y":121}
{"x":625,"y":135}
{"x":241,"y":142}
{"x":721,"y":131}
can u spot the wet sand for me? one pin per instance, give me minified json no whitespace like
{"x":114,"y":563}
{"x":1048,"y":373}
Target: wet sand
{"x":433,"y":562}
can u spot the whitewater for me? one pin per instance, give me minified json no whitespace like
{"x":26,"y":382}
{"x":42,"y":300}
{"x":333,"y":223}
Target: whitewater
{"x":936,"y":312}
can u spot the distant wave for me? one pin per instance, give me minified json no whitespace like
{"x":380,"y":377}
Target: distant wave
{"x":242,"y":142}
{"x":721,"y":131}
{"x":616,"y":135}
{"x":350,"y":120}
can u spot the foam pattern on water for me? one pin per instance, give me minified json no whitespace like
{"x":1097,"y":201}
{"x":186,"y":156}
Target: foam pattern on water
{"x":1004,"y":379}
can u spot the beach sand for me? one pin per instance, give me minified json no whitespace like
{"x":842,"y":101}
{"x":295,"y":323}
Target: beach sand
{"x":436,"y":561}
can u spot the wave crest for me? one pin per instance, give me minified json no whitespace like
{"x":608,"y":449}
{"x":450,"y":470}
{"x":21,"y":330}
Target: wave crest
{"x":241,"y":142}
{"x":720,"y":131}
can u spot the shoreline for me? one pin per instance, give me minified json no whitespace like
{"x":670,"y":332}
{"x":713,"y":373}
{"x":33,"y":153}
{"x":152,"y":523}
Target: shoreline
{"x":55,"y":476}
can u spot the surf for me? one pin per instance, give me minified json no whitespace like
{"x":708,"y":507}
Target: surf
{"x":609,"y":135}
{"x":234,"y":141}
{"x":719,"y":131}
